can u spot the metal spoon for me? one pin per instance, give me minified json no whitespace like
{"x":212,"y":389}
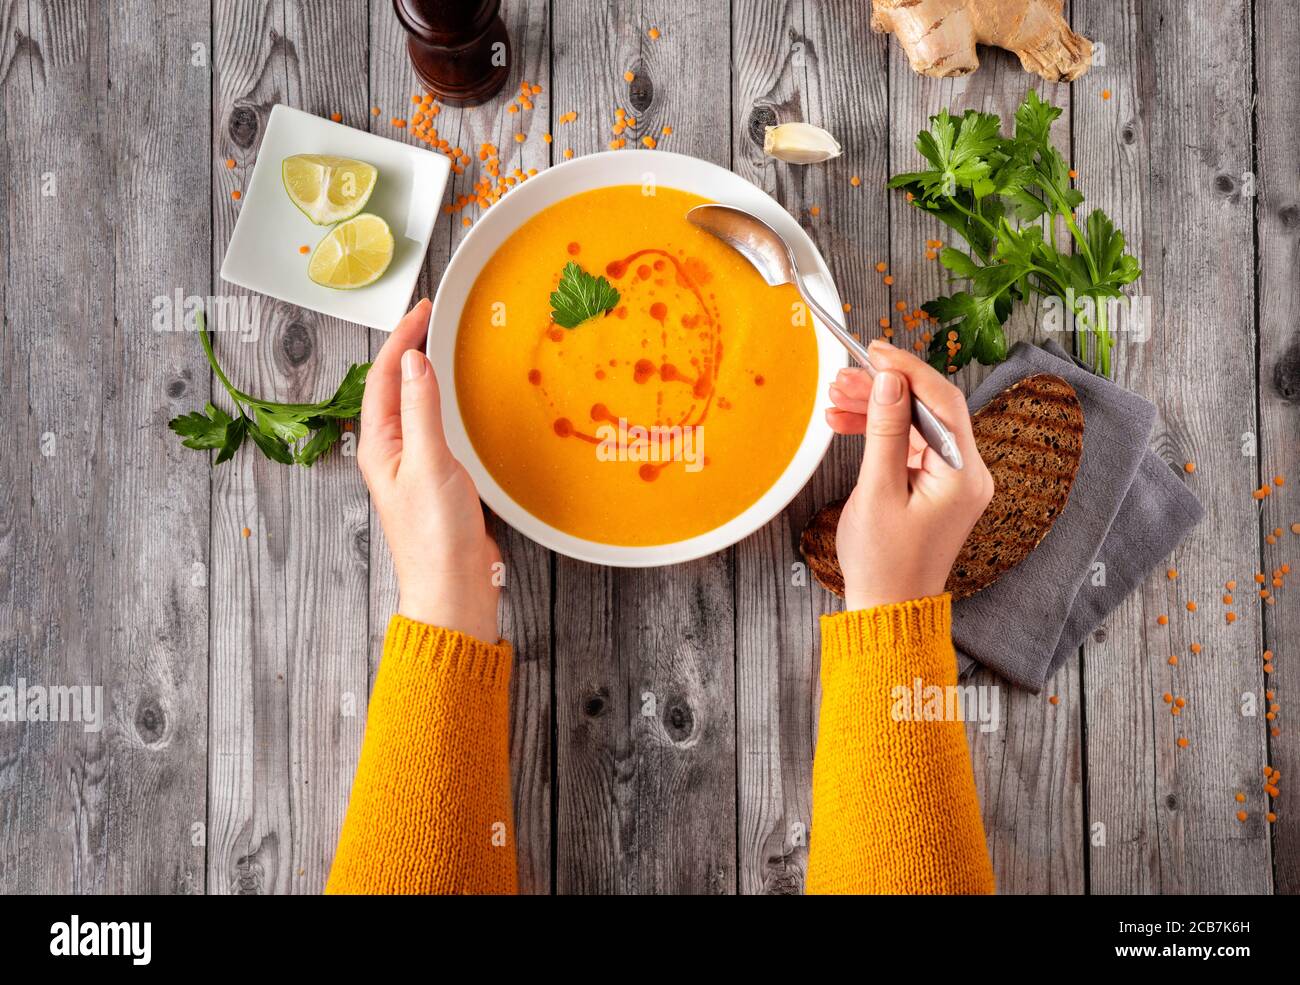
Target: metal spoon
{"x":772,"y":257}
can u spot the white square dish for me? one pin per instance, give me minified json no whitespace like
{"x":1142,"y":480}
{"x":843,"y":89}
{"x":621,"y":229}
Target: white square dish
{"x":263,"y":251}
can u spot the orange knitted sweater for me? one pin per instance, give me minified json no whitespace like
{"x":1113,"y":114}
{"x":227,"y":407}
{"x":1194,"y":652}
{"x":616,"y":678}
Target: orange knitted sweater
{"x":894,"y":803}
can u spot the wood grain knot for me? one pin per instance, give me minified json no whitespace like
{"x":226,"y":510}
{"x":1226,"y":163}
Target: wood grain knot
{"x":176,"y":388}
{"x":1099,"y":634}
{"x":679,"y":720}
{"x":150,"y":721}
{"x":296,"y":343}
{"x":243,"y":126}
{"x":361,"y":544}
{"x":1171,"y":802}
{"x":760,"y":118}
{"x":1128,"y":133}
{"x":1290,"y":217}
{"x":782,"y":882}
{"x":25,"y":44}
{"x":250,"y":872}
{"x":640,"y":91}
{"x":1286,"y":373}
{"x":1224,"y":184}
{"x":594,"y":704}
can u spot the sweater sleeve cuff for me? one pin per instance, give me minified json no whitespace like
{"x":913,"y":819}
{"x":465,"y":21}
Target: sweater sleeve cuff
{"x":906,"y":638}
{"x":417,"y":646}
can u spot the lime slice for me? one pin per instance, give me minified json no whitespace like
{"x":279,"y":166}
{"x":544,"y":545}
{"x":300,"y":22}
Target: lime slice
{"x":328,"y":189}
{"x":354,"y":254}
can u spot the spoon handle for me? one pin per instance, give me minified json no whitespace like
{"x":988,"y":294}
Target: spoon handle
{"x":936,"y":435}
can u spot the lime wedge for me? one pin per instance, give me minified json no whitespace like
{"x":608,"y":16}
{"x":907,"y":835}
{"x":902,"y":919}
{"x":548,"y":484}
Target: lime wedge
{"x":328,"y":189}
{"x":354,"y":254}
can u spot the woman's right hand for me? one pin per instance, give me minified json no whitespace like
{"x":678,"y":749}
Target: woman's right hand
{"x":910,"y":512}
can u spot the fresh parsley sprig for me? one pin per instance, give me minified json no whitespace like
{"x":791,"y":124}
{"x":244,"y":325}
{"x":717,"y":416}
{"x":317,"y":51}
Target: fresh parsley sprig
{"x":286,"y":433}
{"x":978,"y":182}
{"x":580,"y":296}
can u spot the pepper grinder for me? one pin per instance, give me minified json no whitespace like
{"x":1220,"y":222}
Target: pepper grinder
{"x":459,"y":48}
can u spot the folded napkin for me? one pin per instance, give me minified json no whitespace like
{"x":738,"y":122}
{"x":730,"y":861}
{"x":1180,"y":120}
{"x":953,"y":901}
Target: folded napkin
{"x":1127,"y":511}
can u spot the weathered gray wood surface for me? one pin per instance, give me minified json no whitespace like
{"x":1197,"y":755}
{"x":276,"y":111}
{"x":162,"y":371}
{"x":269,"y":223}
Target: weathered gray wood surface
{"x":1277,"y":298}
{"x":1171,"y":150}
{"x":103,"y":528}
{"x":663,"y":721}
{"x":644,"y":675}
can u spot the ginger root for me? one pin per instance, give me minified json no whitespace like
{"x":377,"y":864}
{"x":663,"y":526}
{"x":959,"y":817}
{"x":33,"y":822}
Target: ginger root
{"x":939,"y":36}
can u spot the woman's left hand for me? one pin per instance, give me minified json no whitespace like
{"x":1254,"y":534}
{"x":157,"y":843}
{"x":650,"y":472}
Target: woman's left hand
{"x":427,"y":503}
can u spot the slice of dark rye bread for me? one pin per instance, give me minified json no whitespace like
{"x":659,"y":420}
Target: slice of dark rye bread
{"x":1031,"y":438}
{"x":817,"y":545}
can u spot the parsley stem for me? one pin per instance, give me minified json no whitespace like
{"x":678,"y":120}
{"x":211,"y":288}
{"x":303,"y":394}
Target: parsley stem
{"x":1102,"y":333}
{"x":1066,"y":212}
{"x":239,"y":398}
{"x":974,"y":215}
{"x":1060,"y":288}
{"x":1099,"y":331}
{"x":1083,"y":243}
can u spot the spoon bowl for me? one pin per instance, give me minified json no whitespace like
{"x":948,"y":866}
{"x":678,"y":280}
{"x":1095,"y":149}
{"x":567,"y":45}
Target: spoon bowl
{"x":771,"y":256}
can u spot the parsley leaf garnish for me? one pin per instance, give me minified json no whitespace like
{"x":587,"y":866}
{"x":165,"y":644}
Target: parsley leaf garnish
{"x":277,"y":429}
{"x":580,"y":297}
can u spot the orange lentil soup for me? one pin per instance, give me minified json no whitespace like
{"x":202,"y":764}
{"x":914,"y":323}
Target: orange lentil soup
{"x":699,"y":354}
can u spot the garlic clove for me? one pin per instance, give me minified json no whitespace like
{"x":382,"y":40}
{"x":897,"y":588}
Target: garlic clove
{"x":800,"y":143}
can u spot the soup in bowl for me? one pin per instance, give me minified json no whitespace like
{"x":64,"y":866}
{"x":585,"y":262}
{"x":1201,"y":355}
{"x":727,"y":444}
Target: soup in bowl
{"x":622,"y":386}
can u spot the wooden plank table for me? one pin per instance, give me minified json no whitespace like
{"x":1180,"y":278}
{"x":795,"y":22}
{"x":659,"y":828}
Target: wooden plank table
{"x":663,"y":720}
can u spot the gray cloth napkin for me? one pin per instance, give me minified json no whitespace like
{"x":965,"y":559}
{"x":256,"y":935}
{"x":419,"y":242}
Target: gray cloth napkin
{"x":1127,"y":511}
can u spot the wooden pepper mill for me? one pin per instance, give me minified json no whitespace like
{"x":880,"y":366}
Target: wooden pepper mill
{"x":459,"y":48}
